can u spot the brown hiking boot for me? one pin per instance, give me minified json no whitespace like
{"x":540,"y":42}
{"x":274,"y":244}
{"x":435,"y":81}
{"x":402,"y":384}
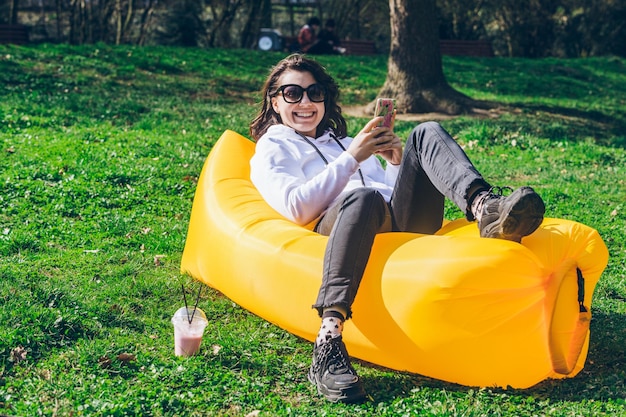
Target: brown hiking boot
{"x":511,"y":217}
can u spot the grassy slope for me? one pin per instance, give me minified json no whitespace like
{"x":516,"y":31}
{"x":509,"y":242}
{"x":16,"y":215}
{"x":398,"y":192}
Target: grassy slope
{"x":100,"y":149}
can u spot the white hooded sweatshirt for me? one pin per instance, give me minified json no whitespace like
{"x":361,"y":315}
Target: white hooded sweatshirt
{"x":296,"y":182}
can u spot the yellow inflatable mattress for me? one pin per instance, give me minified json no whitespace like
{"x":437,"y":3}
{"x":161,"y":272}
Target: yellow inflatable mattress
{"x":456,"y":307}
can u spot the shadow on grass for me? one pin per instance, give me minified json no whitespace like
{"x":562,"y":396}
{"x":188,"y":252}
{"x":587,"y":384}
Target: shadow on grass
{"x":557,"y":122}
{"x":601,"y":379}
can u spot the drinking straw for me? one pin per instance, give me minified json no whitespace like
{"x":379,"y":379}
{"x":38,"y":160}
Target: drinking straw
{"x":185,"y":298}
{"x":196,"y":305}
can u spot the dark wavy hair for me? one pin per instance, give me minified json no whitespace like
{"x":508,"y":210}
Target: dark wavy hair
{"x":297,"y":62}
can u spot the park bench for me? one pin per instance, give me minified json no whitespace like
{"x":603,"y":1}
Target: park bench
{"x":466,"y":48}
{"x":448,"y":47}
{"x":353,"y":46}
{"x":359,"y":47}
{"x":15,"y":34}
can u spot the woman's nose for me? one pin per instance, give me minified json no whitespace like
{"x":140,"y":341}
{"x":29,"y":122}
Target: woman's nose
{"x":305,"y":97}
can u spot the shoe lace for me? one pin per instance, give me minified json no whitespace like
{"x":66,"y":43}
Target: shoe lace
{"x":494,"y":192}
{"x":332,"y":357}
{"x":499,"y":191}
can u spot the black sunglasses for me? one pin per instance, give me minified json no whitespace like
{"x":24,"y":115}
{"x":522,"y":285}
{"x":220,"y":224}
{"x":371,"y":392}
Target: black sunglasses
{"x":293,"y":93}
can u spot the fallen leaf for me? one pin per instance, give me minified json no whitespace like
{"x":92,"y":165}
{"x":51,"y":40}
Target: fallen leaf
{"x":254,"y":413}
{"x":18,"y":354}
{"x":126,"y":357}
{"x":104,"y":362}
{"x":614,"y":213}
{"x":157,"y":259}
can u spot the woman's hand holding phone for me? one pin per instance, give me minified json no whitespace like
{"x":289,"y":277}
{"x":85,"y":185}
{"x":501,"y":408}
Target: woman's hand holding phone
{"x":390,"y":150}
{"x":373,"y":139}
{"x":369,"y":140}
{"x":386,"y":108}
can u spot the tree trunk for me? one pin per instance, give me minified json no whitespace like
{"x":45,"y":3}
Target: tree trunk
{"x":83,"y":21}
{"x":223,"y":18}
{"x":105,"y":14}
{"x":15,"y":4}
{"x":254,"y":22}
{"x":415,"y":70}
{"x":145,"y":22}
{"x":130,"y":14}
{"x":57,"y":4}
{"x":90,"y":22}
{"x":118,"y":22}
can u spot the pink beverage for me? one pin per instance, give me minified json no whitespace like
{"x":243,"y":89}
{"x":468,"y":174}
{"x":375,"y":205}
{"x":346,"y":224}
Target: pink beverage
{"x":185,"y":345}
{"x":188,"y":336}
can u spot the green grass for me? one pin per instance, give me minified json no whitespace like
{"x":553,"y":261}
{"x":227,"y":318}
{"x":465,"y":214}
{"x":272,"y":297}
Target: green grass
{"x":100,"y":150}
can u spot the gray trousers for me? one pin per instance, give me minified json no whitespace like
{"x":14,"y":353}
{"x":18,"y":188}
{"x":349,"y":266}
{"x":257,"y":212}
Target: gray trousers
{"x":433,"y":167}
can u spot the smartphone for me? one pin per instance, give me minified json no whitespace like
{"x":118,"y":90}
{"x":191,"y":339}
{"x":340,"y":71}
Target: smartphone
{"x":386,"y":107}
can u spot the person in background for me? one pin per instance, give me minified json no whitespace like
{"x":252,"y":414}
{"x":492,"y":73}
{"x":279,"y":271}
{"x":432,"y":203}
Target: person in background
{"x":327,"y":41}
{"x":308,"y":169}
{"x":307,"y":37}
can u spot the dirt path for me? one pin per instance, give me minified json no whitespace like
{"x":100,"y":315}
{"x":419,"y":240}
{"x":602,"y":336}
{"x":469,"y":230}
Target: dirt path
{"x":360,"y":111}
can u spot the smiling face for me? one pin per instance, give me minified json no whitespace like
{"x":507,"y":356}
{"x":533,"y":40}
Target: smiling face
{"x":305,"y":115}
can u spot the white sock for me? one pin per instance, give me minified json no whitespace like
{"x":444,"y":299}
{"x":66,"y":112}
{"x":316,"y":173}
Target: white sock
{"x":332,"y":326}
{"x":477,"y":204}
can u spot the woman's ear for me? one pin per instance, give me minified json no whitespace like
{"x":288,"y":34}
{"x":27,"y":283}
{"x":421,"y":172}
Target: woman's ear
{"x":275,"y":104}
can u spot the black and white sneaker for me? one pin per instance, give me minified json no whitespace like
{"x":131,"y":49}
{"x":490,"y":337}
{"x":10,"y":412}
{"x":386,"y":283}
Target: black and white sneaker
{"x":511,"y":217}
{"x":332,"y":373}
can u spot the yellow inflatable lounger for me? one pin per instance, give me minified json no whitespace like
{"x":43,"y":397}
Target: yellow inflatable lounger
{"x":454,"y":306}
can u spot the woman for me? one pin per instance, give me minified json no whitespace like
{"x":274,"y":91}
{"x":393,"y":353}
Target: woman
{"x":307,"y":36}
{"x":308,"y":169}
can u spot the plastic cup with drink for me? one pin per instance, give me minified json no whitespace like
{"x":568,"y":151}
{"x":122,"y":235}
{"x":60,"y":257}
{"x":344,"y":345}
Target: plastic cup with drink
{"x":189,"y":327}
